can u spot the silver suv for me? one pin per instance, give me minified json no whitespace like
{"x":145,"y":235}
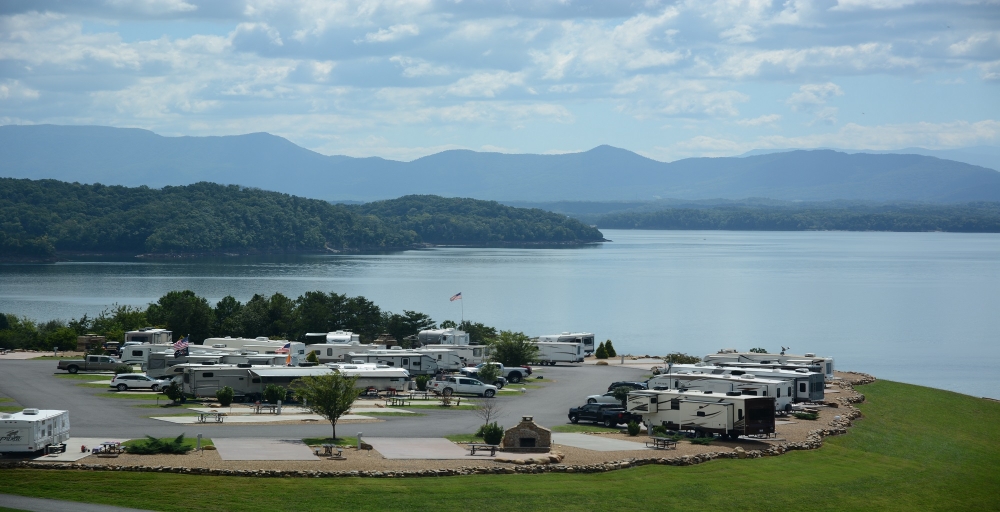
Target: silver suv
{"x":126,"y":381}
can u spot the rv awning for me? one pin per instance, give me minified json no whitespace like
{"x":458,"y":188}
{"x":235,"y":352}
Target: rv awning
{"x":289,"y":372}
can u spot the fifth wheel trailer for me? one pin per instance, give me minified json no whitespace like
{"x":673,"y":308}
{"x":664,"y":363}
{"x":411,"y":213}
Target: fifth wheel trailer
{"x":727,"y":414}
{"x":783,"y":391}
{"x":32,"y":430}
{"x":552,"y":352}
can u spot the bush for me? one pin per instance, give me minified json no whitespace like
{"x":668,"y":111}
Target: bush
{"x":225,"y":396}
{"x":601,"y":352}
{"x":704,"y":441}
{"x":633,"y":428}
{"x":273,"y":393}
{"x":621,"y":394}
{"x":422,"y":382}
{"x":659,"y":430}
{"x":759,"y":350}
{"x":312,"y":357}
{"x":610,"y":349}
{"x":806,"y":415}
{"x":153,"y":446}
{"x":480,"y":432}
{"x":492,"y":433}
{"x":174,"y":392}
{"x":681,"y":358}
{"x":488,"y":373}
{"x":123,"y":368}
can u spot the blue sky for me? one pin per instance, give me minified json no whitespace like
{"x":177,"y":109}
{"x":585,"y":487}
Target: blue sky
{"x":401,"y":79}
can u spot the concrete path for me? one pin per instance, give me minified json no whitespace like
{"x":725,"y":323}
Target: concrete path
{"x":261,"y":418}
{"x":417,"y":448}
{"x":262,"y":449}
{"x":595,"y":443}
{"x":72,"y":453}
{"x":47,"y":505}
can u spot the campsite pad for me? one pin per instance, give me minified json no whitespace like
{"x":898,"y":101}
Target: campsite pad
{"x":417,"y":448}
{"x":595,"y":443}
{"x":248,"y":448}
{"x":261,"y":418}
{"x":72,"y":453}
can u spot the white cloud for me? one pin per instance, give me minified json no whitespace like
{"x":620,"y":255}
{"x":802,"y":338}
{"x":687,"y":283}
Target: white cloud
{"x":486,"y":84}
{"x":813,"y":95}
{"x":15,"y":90}
{"x":759,"y":120}
{"x":413,"y":67}
{"x":392,"y":33}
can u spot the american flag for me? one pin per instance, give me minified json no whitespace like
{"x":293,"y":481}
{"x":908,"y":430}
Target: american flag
{"x":181,"y":344}
{"x":457,"y":296}
{"x":284,"y":349}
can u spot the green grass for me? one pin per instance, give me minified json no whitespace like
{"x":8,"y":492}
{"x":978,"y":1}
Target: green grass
{"x":131,"y":396}
{"x":188,"y":441}
{"x":89,"y":385}
{"x":5,"y":399}
{"x":464,"y":438}
{"x":11,"y":408}
{"x":167,"y":406}
{"x":917,"y":449}
{"x":583,"y":427}
{"x":340,"y":441}
{"x":83,"y":376}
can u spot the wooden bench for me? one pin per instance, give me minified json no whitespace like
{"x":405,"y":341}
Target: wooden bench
{"x":474,"y":447}
{"x":661,"y":443}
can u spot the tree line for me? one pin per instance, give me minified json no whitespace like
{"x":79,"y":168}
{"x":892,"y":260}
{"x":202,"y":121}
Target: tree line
{"x":980,"y":217}
{"x":186,"y":313}
{"x":40,"y":219}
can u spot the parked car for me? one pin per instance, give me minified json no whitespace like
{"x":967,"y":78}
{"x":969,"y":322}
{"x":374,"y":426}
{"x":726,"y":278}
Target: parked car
{"x":126,"y":381}
{"x":606,"y":398}
{"x":461,"y":385}
{"x":628,"y":384}
{"x":608,"y":415}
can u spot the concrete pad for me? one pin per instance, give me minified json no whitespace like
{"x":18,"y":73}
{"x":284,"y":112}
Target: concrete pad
{"x":595,"y":443}
{"x":249,"y":448}
{"x":417,"y":448}
{"x":73,"y":453}
{"x":363,"y":410}
{"x":260,"y":418}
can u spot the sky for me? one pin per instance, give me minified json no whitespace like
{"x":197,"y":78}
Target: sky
{"x":405,"y":79}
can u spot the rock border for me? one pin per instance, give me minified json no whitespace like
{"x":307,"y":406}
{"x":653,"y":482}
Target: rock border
{"x":814,"y":440}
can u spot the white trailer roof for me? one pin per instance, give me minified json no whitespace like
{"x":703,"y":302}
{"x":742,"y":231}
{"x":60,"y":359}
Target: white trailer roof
{"x":285,"y":371}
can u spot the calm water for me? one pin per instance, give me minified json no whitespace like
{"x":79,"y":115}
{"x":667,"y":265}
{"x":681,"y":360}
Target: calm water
{"x":914,"y":307}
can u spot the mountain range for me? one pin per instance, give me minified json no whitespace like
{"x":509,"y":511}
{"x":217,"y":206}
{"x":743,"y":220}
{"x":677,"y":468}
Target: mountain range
{"x":134,"y":157}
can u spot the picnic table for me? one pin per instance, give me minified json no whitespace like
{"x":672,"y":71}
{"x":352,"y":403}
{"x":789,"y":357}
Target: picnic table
{"x":420,"y":395}
{"x":396,"y":400}
{"x":328,"y":450}
{"x":214,"y":416}
{"x":473,"y":447}
{"x":661,"y":443}
{"x":109,"y":449}
{"x":259,"y":408}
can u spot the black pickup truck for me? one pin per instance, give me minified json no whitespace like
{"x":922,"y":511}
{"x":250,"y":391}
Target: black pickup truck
{"x":608,"y":415}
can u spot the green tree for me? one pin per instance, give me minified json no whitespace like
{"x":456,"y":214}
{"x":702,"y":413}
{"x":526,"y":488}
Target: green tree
{"x":479,"y":334}
{"x":759,"y":350}
{"x":184,"y":313}
{"x":312,"y":357}
{"x":273,"y":393}
{"x":621,"y":394}
{"x":513,"y":349}
{"x":225,"y":396}
{"x":488,"y":374}
{"x":330,"y":395}
{"x":227,"y":316}
{"x":601,"y":352}
{"x":610,"y":349}
{"x":408,"y":324}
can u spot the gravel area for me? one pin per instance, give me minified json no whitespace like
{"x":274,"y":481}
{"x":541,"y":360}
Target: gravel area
{"x":792,"y":430}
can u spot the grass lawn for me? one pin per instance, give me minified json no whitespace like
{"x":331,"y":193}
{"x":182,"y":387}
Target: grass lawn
{"x":188,"y":441}
{"x":133,"y":395}
{"x":85,"y":376}
{"x":583,"y":427}
{"x":11,"y":408}
{"x":917,"y":449}
{"x":167,"y":406}
{"x":464,"y":438}
{"x":340,"y":441}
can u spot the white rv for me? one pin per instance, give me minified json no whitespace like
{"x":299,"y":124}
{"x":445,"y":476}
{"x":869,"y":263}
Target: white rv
{"x":552,"y":352}
{"x":447,"y":359}
{"x":337,"y":352}
{"x":417,"y":363}
{"x":32,"y":430}
{"x":809,"y":386}
{"x":248,"y":382}
{"x":333,"y":337}
{"x":783,"y":391}
{"x":728,"y":414}
{"x":443,"y":337}
{"x":165,"y":366}
{"x":471,"y":355}
{"x":586,"y":338}
{"x":728,"y":355}
{"x":150,"y":335}
{"x":139,"y":354}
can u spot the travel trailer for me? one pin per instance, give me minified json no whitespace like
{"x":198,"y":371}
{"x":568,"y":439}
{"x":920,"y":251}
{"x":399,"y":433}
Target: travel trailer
{"x":728,"y":355}
{"x":165,"y":366}
{"x":32,"y":430}
{"x":417,"y":363}
{"x":333,"y":337}
{"x":586,"y":338}
{"x":783,"y":391}
{"x":139,"y":354}
{"x":471,"y":355}
{"x":447,"y":359}
{"x":704,"y":412}
{"x":552,"y":352}
{"x":337,"y":352}
{"x":151,"y":336}
{"x":809,"y":386}
{"x":443,"y":337}
{"x":248,"y":382}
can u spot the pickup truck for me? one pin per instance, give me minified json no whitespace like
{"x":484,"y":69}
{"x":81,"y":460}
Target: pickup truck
{"x":513,"y":375}
{"x":89,"y":364}
{"x":461,"y":385}
{"x":608,"y":415}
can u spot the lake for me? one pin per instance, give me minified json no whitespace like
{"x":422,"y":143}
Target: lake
{"x":914,"y":307}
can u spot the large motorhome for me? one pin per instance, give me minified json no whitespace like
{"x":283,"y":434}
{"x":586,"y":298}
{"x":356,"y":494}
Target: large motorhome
{"x":32,"y":430}
{"x":552,"y":352}
{"x":417,"y":363}
{"x":809,"y":386}
{"x":728,"y":355}
{"x":248,"y":381}
{"x":783,"y":391}
{"x":337,"y":352}
{"x":443,"y":337}
{"x":727,"y":414}
{"x":150,"y":335}
{"x":586,"y":338}
{"x":471,"y":355}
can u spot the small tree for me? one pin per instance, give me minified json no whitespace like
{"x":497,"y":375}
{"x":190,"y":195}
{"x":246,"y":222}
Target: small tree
{"x":330,"y":395}
{"x":422,"y":382}
{"x":621,"y":394}
{"x":488,"y":373}
{"x":273,"y":393}
{"x":312,"y":358}
{"x":488,"y":409}
{"x":610,"y":349}
{"x":492,"y":433}
{"x":225,"y":396}
{"x":513,"y":349}
{"x":601,"y":352}
{"x":174,"y":392}
{"x":759,"y":350}
{"x":633,"y":429}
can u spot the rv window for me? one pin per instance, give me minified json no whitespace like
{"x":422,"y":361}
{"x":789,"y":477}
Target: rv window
{"x":789,"y":391}
{"x":207,"y":375}
{"x":157,"y":363}
{"x":255,"y":380}
{"x":477,"y":352}
{"x":675,"y":404}
{"x":137,"y":353}
{"x":749,"y":392}
{"x":779,"y":392}
{"x":329,"y":351}
{"x":406,"y":361}
{"x":677,"y":383}
{"x":740,"y":411}
{"x":701,"y":413}
{"x":802,"y":387}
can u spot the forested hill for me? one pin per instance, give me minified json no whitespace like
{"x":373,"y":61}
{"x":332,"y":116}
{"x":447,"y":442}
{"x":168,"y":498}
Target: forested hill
{"x":42,"y":219}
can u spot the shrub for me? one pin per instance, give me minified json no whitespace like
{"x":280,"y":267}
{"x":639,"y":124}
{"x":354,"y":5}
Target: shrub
{"x":704,"y":441}
{"x":610,"y":349}
{"x":659,"y":430}
{"x":225,"y":396}
{"x":681,"y":358}
{"x":633,"y":428}
{"x":492,"y":433}
{"x":601,"y":363}
{"x":273,"y":393}
{"x":759,"y":350}
{"x":312,"y":358}
{"x":480,"y":432}
{"x":806,"y":415}
{"x":174,"y":392}
{"x":422,"y":382}
{"x":621,"y":394}
{"x":152,"y":446}
{"x":601,"y":352}
{"x":123,"y":368}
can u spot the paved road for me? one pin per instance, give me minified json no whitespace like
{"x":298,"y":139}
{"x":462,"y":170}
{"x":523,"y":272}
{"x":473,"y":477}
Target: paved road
{"x":32,"y":384}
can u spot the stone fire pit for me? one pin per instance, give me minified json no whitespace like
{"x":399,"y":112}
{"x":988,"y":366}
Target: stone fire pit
{"x":527,"y":437}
